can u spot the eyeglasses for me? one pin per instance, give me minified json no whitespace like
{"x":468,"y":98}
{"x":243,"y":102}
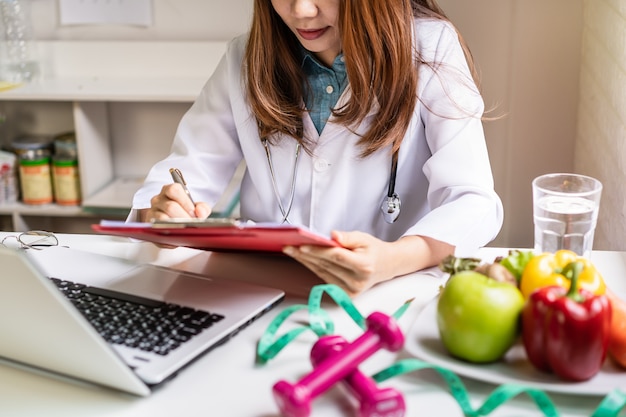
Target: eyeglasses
{"x":33,"y":239}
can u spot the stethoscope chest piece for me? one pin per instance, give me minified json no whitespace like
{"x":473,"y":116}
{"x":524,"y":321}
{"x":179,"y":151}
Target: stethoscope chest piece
{"x":391,"y":208}
{"x":391,"y":203}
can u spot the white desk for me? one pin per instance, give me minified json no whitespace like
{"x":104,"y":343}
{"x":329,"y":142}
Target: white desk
{"x":226,"y":382}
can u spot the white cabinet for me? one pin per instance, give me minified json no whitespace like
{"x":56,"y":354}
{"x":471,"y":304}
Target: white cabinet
{"x":122,"y":99}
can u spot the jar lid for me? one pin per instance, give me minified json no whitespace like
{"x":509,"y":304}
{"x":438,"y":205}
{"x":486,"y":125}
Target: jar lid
{"x":65,"y":145}
{"x":65,"y":139}
{"x":31,"y":142}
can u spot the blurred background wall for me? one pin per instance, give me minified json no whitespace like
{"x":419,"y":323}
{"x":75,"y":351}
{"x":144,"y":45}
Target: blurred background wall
{"x":553,"y":71}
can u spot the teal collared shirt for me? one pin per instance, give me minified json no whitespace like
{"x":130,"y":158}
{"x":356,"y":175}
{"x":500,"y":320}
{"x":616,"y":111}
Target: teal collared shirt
{"x":325,"y":86}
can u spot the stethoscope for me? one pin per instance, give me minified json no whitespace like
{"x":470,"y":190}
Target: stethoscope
{"x":390,"y":207}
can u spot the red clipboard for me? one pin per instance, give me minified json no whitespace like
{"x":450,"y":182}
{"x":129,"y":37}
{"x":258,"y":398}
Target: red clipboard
{"x":218,"y":235}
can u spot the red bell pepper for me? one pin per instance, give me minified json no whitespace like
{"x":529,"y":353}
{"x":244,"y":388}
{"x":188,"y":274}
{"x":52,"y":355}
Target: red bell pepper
{"x":567,"y":332}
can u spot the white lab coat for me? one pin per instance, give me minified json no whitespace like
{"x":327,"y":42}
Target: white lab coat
{"x":444,"y":176}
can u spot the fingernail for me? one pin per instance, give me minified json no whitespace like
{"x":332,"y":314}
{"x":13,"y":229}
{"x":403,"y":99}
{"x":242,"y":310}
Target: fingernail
{"x":289,"y":250}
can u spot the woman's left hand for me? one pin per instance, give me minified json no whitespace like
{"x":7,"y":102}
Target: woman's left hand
{"x":363,"y":261}
{"x":360,"y":263}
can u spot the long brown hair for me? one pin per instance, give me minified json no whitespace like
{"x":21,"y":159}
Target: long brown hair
{"x":380,"y":63}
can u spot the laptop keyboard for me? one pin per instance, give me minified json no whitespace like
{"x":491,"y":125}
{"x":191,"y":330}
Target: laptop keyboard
{"x":137,"y":322}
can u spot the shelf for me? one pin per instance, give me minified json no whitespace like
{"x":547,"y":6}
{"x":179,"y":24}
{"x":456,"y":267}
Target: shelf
{"x":117,"y":196}
{"x":41,"y":210}
{"x":171,"y":90}
{"x":126,"y":101}
{"x":119,"y":71}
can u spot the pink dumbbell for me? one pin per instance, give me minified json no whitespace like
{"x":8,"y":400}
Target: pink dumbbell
{"x":294,"y":400}
{"x":375,"y":401}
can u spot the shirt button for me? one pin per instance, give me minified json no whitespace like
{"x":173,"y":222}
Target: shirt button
{"x":321,"y":165}
{"x":330,"y":89}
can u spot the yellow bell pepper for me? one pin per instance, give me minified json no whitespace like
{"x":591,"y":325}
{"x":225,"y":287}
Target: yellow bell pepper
{"x":545,"y":269}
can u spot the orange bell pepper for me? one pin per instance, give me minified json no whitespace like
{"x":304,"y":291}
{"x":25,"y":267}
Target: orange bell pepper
{"x":617,"y":337}
{"x":546,"y":270}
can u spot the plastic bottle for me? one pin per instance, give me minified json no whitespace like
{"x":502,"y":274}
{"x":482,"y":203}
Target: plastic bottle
{"x":17,"y":62}
{"x":8,"y":178}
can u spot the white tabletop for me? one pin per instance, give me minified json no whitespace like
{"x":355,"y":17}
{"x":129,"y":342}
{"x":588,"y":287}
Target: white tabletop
{"x":227,"y":382}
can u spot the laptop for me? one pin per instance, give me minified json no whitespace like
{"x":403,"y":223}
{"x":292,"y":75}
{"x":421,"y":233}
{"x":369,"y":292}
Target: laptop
{"x":99,"y":319}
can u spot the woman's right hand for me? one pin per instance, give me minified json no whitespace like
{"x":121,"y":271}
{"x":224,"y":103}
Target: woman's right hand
{"x":173,"y":202}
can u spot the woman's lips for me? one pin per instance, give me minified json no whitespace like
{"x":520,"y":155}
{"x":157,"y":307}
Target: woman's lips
{"x":310,"y":35}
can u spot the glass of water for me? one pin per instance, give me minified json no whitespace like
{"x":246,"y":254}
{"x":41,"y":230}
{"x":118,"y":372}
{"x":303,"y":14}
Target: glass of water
{"x":565,"y":212}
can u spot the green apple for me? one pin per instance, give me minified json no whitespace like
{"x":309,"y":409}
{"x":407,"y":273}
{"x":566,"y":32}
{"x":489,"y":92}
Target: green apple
{"x":478,"y":317}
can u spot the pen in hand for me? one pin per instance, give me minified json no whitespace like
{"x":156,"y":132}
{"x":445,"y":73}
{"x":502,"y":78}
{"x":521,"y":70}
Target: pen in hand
{"x":177,"y":176}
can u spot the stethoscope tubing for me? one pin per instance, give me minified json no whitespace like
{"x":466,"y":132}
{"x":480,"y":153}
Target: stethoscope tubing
{"x":294,"y":175}
{"x":391,"y":190}
{"x":390,"y":207}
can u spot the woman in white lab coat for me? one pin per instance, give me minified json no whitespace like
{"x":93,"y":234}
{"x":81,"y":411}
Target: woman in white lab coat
{"x":397,"y":172}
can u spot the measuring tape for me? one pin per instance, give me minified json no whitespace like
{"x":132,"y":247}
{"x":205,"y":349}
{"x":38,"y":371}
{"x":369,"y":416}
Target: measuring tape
{"x":320,"y":323}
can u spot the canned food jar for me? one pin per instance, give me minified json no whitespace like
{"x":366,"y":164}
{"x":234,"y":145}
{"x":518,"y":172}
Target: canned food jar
{"x":65,"y":174}
{"x":33,"y":153}
{"x":35,"y":177}
{"x":66,"y":181}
